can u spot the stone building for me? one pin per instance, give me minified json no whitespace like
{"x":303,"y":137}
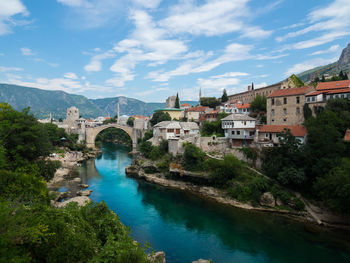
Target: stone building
{"x":194,"y":113}
{"x":285,"y":106}
{"x":249,"y":95}
{"x":268,"y":135}
{"x":170,"y":102}
{"x":72,"y":115}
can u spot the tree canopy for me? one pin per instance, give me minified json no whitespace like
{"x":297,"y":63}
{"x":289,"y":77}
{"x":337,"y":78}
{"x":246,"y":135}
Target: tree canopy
{"x":258,"y":104}
{"x":224,"y":97}
{"x":160,"y":116}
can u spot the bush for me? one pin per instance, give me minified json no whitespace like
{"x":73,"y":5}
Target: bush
{"x":193,"y":157}
{"x":298,"y":204}
{"x":48,"y":168}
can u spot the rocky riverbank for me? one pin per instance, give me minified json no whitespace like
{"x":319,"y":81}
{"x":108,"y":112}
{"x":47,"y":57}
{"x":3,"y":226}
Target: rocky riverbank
{"x":147,"y":170}
{"x":67,"y":178}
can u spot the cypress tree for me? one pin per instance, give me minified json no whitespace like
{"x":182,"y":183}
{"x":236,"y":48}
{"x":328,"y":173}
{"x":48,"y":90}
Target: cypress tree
{"x":224,"y":97}
{"x":177,"y":101}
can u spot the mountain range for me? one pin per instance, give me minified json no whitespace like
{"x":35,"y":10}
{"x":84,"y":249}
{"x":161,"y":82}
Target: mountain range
{"x":44,"y":102}
{"x":343,"y":64}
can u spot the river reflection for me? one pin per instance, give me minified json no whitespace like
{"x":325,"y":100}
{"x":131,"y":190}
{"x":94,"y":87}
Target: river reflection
{"x":187,"y":227}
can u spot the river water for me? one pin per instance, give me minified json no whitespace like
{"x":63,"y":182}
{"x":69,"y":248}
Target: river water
{"x":187,"y":227}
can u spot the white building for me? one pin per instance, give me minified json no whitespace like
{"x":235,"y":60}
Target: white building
{"x":173,"y":129}
{"x":239,"y":129}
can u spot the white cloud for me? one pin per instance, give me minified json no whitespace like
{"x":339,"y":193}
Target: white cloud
{"x":332,"y":49}
{"x":27,"y":51}
{"x":309,"y":64}
{"x":332,"y":20}
{"x":73,"y":3}
{"x":7,"y":69}
{"x":93,"y":13}
{"x":212,"y":18}
{"x":70,"y":75}
{"x":147,"y":3}
{"x":8,"y":9}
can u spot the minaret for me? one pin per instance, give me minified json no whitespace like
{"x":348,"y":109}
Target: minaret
{"x":200,"y":95}
{"x":50,"y":118}
{"x":118,"y":114}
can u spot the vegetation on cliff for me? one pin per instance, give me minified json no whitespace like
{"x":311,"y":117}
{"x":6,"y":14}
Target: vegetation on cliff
{"x":33,"y":231}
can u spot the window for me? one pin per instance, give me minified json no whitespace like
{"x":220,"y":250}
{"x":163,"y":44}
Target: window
{"x":284,"y":111}
{"x":266,"y":135}
{"x":251,"y":133}
{"x":170,"y":130}
{"x":272,"y":120}
{"x":298,"y":100}
{"x":272,"y":101}
{"x":245,"y":123}
{"x":272,"y":112}
{"x":238,"y":132}
{"x":342,"y":96}
{"x":308,"y":99}
{"x":298,"y":111}
{"x":233,"y":132}
{"x":313,"y":98}
{"x":284,"y":100}
{"x":285,"y":119}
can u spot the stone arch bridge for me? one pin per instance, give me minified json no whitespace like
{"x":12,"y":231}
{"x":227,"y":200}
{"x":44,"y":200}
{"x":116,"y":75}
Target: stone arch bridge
{"x":91,"y":134}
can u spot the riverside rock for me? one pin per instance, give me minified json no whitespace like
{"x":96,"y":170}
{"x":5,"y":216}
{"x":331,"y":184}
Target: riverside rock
{"x":83,"y":185}
{"x":80,"y":200}
{"x":84,"y":193}
{"x":157,"y":257}
{"x":267,"y":199}
{"x":201,"y":261}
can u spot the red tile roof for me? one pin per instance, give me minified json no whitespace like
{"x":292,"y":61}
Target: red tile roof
{"x":335,"y":91}
{"x":296,"y":130}
{"x":242,"y":106}
{"x":333,"y":85}
{"x":185,"y":105}
{"x":198,"y":108}
{"x":290,"y":92}
{"x":347,"y":136}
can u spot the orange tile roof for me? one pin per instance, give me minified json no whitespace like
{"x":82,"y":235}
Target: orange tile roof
{"x":346,"y":90}
{"x":185,"y":105}
{"x":198,"y":108}
{"x":296,"y":130}
{"x":333,"y":85}
{"x":289,"y":92}
{"x":242,"y":106}
{"x":347,"y":136}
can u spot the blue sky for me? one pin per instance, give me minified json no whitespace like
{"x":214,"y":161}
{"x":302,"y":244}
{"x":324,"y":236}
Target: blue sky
{"x":150,"y":49}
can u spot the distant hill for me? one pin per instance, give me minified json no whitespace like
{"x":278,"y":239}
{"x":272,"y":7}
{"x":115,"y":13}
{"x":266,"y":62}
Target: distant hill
{"x":129,"y":106}
{"x":44,"y":102}
{"x":334,"y":68}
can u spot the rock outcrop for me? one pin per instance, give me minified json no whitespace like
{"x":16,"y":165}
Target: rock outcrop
{"x":201,"y":261}
{"x":267,"y":199}
{"x":80,"y":200}
{"x":157,"y":257}
{"x":84,"y":193}
{"x":344,"y":60}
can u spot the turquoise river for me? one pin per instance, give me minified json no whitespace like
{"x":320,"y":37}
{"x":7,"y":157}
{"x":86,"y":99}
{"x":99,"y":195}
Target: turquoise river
{"x":188,"y":227}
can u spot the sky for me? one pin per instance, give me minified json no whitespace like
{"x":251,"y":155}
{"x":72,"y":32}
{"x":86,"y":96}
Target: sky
{"x":151,"y":49}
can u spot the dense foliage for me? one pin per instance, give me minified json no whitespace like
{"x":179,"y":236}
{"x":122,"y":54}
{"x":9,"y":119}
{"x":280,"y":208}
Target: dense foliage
{"x":258,"y":104}
{"x":130,"y":121}
{"x":322,"y":163}
{"x":210,"y":128}
{"x":211,"y":102}
{"x":160,"y":116}
{"x":33,"y":231}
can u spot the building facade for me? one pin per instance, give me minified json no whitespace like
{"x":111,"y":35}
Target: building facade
{"x":285,"y":106}
{"x":269,"y":135}
{"x":239,"y":129}
{"x":166,"y":130}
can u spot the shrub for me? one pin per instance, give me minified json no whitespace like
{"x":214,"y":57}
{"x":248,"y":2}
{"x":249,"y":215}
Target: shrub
{"x":193,"y":157}
{"x":298,"y":204}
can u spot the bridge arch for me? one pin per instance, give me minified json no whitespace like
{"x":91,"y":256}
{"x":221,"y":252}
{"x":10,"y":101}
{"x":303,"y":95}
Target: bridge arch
{"x":91,"y":134}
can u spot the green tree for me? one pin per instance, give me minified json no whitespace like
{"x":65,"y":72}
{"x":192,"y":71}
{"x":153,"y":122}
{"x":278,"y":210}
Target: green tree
{"x":258,"y":104}
{"x":177,"y":101}
{"x":22,"y":136}
{"x":224,"y":97}
{"x":193,"y":157}
{"x":334,"y":187}
{"x":307,"y":111}
{"x":130,"y":121}
{"x":211,"y":102}
{"x":160,"y":116}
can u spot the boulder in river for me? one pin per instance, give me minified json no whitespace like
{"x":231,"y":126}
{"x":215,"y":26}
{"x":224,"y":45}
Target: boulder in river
{"x":267,"y":199}
{"x":83,"y":185}
{"x":84,"y":193}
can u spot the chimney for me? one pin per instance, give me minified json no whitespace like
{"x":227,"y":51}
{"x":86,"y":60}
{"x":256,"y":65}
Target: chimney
{"x":249,"y":88}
